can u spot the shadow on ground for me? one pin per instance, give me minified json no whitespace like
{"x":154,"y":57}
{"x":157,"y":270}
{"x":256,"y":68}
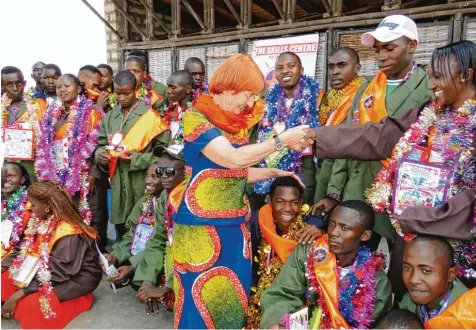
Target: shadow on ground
{"x":111,"y":311}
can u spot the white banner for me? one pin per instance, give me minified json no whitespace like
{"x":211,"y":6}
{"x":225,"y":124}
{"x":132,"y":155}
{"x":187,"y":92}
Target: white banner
{"x":265,"y":53}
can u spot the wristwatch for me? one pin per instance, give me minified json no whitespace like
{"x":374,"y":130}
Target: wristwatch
{"x":279,"y":145}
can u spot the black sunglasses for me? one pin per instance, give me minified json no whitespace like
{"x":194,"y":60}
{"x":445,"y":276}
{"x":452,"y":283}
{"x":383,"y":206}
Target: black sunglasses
{"x":168,"y":171}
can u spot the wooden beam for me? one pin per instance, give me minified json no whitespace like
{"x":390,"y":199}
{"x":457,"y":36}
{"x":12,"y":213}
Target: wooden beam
{"x":234,"y":12}
{"x":292,"y":10}
{"x":211,"y":28}
{"x":176,"y":18}
{"x":336,"y":7}
{"x":392,"y":5}
{"x":279,"y":7}
{"x":109,"y":26}
{"x":193,"y":13}
{"x":149,"y":20}
{"x":129,"y":19}
{"x":361,"y":20}
{"x":125,"y":23}
{"x":457,"y":27}
{"x":151,"y":12}
{"x":328,"y":6}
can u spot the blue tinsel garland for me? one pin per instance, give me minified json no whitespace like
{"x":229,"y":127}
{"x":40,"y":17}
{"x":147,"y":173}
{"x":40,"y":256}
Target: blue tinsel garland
{"x":303,"y":111}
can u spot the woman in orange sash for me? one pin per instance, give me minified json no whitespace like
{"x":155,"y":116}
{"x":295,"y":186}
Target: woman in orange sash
{"x":15,"y":210}
{"x":59,"y":247}
{"x":69,"y":131}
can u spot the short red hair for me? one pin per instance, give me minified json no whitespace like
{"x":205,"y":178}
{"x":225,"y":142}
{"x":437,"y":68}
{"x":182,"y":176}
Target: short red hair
{"x":237,"y":73}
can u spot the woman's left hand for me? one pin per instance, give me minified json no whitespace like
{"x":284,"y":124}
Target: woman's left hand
{"x":9,"y":307}
{"x":280,"y":173}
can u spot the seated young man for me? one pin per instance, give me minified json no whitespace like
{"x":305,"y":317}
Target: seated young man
{"x":128,"y":253}
{"x":401,"y":319}
{"x":171,"y":171}
{"x":346,"y":283}
{"x":276,"y":230}
{"x":434,"y":292}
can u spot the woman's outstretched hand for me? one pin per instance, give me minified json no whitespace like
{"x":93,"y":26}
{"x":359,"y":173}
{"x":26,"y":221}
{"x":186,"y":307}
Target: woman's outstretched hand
{"x":279,"y":173}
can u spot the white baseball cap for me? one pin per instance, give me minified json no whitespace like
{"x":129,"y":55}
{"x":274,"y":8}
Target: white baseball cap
{"x":391,"y":28}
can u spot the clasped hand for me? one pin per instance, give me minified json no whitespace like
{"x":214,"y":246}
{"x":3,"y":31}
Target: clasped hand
{"x":298,"y":138}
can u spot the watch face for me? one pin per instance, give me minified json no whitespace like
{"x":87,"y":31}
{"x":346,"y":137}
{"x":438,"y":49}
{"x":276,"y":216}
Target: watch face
{"x":279,"y":146}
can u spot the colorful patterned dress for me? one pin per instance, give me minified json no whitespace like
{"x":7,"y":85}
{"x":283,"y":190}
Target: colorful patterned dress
{"x":211,"y":243}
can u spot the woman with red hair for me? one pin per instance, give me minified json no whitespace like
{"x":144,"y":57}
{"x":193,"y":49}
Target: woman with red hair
{"x":211,"y":242}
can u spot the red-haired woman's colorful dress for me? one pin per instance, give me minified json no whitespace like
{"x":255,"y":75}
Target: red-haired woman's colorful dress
{"x":211,"y":243}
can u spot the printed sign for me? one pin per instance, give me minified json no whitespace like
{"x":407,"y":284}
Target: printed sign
{"x":265,"y":53}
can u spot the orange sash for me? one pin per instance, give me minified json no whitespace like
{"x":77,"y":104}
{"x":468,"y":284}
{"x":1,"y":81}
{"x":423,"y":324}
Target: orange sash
{"x":94,"y":119}
{"x":338,"y":116}
{"x":63,"y":229}
{"x":372,"y":103}
{"x":325,"y":269}
{"x":154,"y":98}
{"x":176,"y":195}
{"x":459,"y":315}
{"x":147,"y":127}
{"x":320,"y":97}
{"x":39,"y":106}
{"x":282,"y":246}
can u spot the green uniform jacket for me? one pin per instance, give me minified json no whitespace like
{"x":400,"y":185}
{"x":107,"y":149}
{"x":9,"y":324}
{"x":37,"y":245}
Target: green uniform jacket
{"x":350,"y":178}
{"x":149,"y":263}
{"x":128,"y":184}
{"x":286,"y":294}
{"x":162,"y":90}
{"x":407,"y":303}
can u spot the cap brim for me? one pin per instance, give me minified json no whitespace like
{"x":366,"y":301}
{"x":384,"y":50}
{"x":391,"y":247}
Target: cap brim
{"x":160,"y":150}
{"x":368,"y":38}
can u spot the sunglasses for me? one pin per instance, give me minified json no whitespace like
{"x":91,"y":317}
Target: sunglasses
{"x":168,"y":171}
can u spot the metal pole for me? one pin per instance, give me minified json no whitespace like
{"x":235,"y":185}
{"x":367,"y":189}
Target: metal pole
{"x":109,"y":26}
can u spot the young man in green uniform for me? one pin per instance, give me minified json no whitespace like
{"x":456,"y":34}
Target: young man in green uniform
{"x":127,"y":254}
{"x":171,"y":171}
{"x":128,"y":135}
{"x":159,"y":87}
{"x":399,"y":86}
{"x":435,"y":293}
{"x":330,"y":265}
{"x":334,"y":106}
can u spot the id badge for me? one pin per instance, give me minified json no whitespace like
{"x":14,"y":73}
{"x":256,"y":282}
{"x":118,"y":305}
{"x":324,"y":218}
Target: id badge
{"x":174,"y":128}
{"x":142,"y":234}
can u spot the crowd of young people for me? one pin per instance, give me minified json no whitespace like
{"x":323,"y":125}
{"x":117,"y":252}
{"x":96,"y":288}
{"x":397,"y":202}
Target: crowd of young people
{"x":238,"y":208}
